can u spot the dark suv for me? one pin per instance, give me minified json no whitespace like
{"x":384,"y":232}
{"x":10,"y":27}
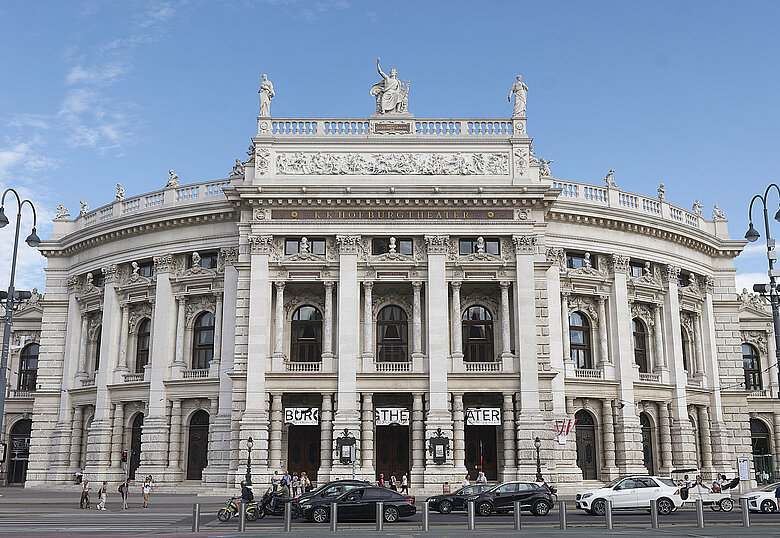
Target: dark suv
{"x":448,"y":502}
{"x":501,"y":498}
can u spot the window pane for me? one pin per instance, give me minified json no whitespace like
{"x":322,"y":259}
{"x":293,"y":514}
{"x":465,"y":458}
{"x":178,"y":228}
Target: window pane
{"x":491,"y":246}
{"x":318,"y":247}
{"x":405,"y":246}
{"x":466,"y":246}
{"x":291,"y":247}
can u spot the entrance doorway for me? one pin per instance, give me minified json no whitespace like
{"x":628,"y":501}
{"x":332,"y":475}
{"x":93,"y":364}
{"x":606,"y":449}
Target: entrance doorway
{"x":586,"y":445}
{"x":303,"y":450}
{"x":198,"y":446}
{"x":481,"y":454}
{"x":392,"y":451}
{"x":648,"y":454}
{"x":20,"y":451}
{"x":135,"y":445}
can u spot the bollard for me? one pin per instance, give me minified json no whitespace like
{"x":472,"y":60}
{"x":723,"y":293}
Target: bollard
{"x":288,"y":516}
{"x":380,"y":513}
{"x":562,"y":514}
{"x":196,"y":517}
{"x":743,"y":504}
{"x":334,"y":516}
{"x":426,"y":526}
{"x":654,"y":513}
{"x":471,"y":515}
{"x":608,"y":515}
{"x":699,"y":514}
{"x":517,"y":515}
{"x":242,"y":516}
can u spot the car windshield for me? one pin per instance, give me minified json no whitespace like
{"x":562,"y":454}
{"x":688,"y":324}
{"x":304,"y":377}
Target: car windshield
{"x":613,"y":483}
{"x":667,"y":481}
{"x":771,"y":487}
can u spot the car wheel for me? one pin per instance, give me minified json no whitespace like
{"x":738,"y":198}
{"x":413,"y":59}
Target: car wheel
{"x":391,"y":514}
{"x":319,"y":515}
{"x":768,"y":507}
{"x":726,"y":504}
{"x":223,"y":514}
{"x":598,"y":507}
{"x":665,"y":506}
{"x":484,"y":509}
{"x":541,"y":508}
{"x":445,"y":507}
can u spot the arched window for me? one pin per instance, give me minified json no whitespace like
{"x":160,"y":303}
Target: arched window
{"x":579,"y":340}
{"x":640,"y":345}
{"x":142,"y":345}
{"x":97,"y":347}
{"x":478,"y":334}
{"x":392,"y":339}
{"x":306,"y":335}
{"x":203,"y":341}
{"x":752,"y":366}
{"x":686,"y":349}
{"x":762,"y":455}
{"x":28,"y":367}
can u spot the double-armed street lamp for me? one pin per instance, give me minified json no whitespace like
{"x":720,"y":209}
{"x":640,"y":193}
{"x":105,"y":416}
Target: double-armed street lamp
{"x":771,"y":254}
{"x":249,"y":444}
{"x":32,"y":240}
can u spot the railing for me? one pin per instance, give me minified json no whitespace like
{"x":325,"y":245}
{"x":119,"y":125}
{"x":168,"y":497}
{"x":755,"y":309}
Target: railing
{"x":393,"y":366}
{"x":361,"y":126}
{"x":133,"y":378}
{"x":694,"y":382}
{"x":588,"y":373}
{"x":649,"y":378}
{"x":760,"y":393}
{"x":294,"y":366}
{"x":482,"y":366}
{"x":195,"y":374}
{"x":13,"y":393}
{"x":88,"y":382}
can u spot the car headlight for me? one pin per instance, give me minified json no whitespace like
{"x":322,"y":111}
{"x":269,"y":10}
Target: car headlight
{"x":586,"y":495}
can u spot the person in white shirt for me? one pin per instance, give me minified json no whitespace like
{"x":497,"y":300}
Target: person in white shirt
{"x":276,"y":480}
{"x":465,"y":482}
{"x":405,"y":484}
{"x":481,"y":479}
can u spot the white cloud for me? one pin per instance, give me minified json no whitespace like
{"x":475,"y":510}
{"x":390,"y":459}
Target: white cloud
{"x":746,"y":280}
{"x":753,"y":250}
{"x":108,"y":73}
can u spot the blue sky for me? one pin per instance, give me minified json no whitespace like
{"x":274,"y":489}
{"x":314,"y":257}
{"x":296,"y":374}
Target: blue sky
{"x":95,"y":92}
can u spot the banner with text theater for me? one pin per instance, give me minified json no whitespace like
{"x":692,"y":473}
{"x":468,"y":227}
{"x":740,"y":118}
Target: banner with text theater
{"x":386,"y":416}
{"x":483,"y":416}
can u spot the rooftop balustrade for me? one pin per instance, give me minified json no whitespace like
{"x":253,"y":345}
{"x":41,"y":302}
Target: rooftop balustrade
{"x":321,"y":127}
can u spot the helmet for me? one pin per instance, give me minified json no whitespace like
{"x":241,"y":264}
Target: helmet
{"x":243,"y":482}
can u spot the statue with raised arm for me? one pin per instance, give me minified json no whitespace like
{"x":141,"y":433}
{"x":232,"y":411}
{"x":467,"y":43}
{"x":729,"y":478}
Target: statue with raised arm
{"x":544,"y":167}
{"x":391,"y":94}
{"x":609,"y":180}
{"x":84,"y":208}
{"x":520,"y":91}
{"x":62,"y":212}
{"x":266,"y":93}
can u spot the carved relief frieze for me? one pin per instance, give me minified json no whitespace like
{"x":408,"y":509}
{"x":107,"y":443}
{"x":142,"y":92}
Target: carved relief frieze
{"x":753,"y":300}
{"x":198,"y":304}
{"x":137,"y":312}
{"x":525,"y":244}
{"x":644,"y":312}
{"x":585,"y":303}
{"x":672,"y":273}
{"x":521,"y":161}
{"x":227,"y":256}
{"x":110,"y":273}
{"x":348,"y":244}
{"x":619,"y":263}
{"x":437,"y":244}
{"x":261,"y":244}
{"x":326,"y":163}
{"x":757,"y":338}
{"x":164,"y":264}
{"x":22,"y":338}
{"x":556,"y":256}
{"x":262,"y":160}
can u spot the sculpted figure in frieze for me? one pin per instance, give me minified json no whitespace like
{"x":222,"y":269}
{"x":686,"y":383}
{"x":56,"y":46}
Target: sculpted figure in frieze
{"x":265,"y":94}
{"x":391,"y":94}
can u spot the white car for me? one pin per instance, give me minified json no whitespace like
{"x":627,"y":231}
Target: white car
{"x":632,"y":492}
{"x":762,"y":500}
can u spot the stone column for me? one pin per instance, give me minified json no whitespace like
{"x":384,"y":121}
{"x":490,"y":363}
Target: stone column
{"x":568,"y":363}
{"x":78,"y":431}
{"x":659,"y":345}
{"x":327,"y":323}
{"x":368,"y":320}
{"x":665,"y":438}
{"x":508,"y":469}
{"x":706,"y":446}
{"x":175,"y":442}
{"x":417,"y":320}
{"x":699,"y":348}
{"x":178,"y":362}
{"x":279,"y":320}
{"x":418,"y":440}
{"x":455,"y":330}
{"x":217,"y":334}
{"x":347,"y":415}
{"x":326,"y":437}
{"x":608,"y":429}
{"x":116,"y":443}
{"x":275,"y":434}
{"x":458,"y":433}
{"x":83,"y":340}
{"x":122,"y":368}
{"x":506,"y":339}
{"x":367,"y":437}
{"x":604,"y":361}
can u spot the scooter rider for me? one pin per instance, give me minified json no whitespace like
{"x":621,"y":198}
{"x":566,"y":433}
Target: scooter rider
{"x":280,"y":495}
{"x":246,"y":494}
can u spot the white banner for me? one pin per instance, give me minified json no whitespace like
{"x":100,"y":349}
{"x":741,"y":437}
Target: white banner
{"x":483,"y":416}
{"x":302,"y":416}
{"x":392,"y":415}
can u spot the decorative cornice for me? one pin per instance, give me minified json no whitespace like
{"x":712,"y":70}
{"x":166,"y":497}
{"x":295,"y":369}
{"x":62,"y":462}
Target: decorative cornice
{"x":348,"y":244}
{"x":164,"y":264}
{"x":437,"y":244}
{"x":261,"y":244}
{"x":525,"y":244}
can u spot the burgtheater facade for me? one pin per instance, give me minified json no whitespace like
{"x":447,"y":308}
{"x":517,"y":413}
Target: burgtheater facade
{"x":402,"y":279}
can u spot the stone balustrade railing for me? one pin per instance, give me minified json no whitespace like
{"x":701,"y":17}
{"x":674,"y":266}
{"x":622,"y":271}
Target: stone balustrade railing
{"x":362,"y":126}
{"x":483,"y":366}
{"x":649,"y":378}
{"x":295,"y":366}
{"x":393,"y":366}
{"x":588,"y":373}
{"x":199,"y":373}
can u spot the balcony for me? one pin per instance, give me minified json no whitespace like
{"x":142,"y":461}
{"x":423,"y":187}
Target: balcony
{"x":295,"y":366}
{"x":13,"y":393}
{"x":760,"y":393}
{"x":200,"y":373}
{"x":649,"y":378}
{"x":132,"y":378}
{"x":393,"y":366}
{"x":483,"y":366}
{"x":588,"y":373}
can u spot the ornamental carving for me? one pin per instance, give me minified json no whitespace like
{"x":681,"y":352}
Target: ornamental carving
{"x":94,"y":326}
{"x":136,"y":313}
{"x":672,"y":273}
{"x":710,"y":284}
{"x":391,"y":297}
{"x":131,"y":275}
{"x":74,"y":284}
{"x":644,"y":312}
{"x":198,"y":304}
{"x":619,"y":263}
{"x":260,"y":244}
{"x":164,"y":264}
{"x":227,"y":256}
{"x":301,"y":163}
{"x":521,"y":161}
{"x":587,"y":268}
{"x":22,"y":338}
{"x":648,"y":275}
{"x":586,"y":304}
{"x":556,"y":256}
{"x":110,"y":274}
{"x":525,"y":244}
{"x":437,"y":244}
{"x":302,"y":298}
{"x":483,"y":297}
{"x":348,"y":244}
{"x":755,"y":338}
{"x":262,"y":160}
{"x":752,"y":300}
{"x":688,"y":320}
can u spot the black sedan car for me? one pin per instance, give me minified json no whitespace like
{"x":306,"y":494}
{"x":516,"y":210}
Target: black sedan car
{"x":447,"y":502}
{"x":328,"y":491}
{"x":501,"y":498}
{"x":359,"y":504}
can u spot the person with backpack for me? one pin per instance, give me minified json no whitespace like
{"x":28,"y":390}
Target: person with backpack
{"x":246,"y":494}
{"x":405,"y":484}
{"x":124,"y":490}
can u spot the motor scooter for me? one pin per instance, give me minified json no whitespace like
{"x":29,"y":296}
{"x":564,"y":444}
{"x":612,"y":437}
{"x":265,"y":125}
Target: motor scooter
{"x":266,"y":505}
{"x":231,"y":509}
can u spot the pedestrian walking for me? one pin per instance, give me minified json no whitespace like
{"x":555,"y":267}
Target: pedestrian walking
{"x":381,"y":482}
{"x":393,"y":483}
{"x":103,"y":496}
{"x":777,"y":497}
{"x":296,"y":484}
{"x":146,"y":489}
{"x":84,"y":494}
{"x":465,"y":482}
{"x":124,"y":490}
{"x":307,"y":487}
{"x":481,"y":478}
{"x":276,"y":480}
{"x":405,"y":484}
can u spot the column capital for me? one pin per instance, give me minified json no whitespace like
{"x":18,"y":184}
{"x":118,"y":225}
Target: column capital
{"x":260,"y":244}
{"x":110,"y":273}
{"x":619,"y":263}
{"x":74,"y":284}
{"x":164,"y":264}
{"x":504,"y":284}
{"x":368,"y":284}
{"x":672,"y":273}
{"x":456,"y":284}
{"x":437,"y":244}
{"x":601,"y":299}
{"x":525,"y":244}
{"x":417,"y":285}
{"x":348,"y":244}
{"x":556,"y":256}
{"x":279,"y":284}
{"x":329,"y":284}
{"x":228,"y":256}
{"x":709,"y":284}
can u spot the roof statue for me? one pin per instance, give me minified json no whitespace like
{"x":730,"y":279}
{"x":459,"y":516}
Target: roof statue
{"x":544,"y":165}
{"x":697,"y":207}
{"x":84,"y":208}
{"x":609,"y":179}
{"x":520,"y":91}
{"x":717,"y":213}
{"x":62,"y":212}
{"x":173,"y":179}
{"x":120,"y":192}
{"x":391,"y":94}
{"x":661,"y":192}
{"x":266,"y":93}
{"x":238,"y":169}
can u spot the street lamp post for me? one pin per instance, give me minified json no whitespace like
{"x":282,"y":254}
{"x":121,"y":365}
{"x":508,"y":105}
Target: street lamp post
{"x":771,"y":254}
{"x":249,"y":444}
{"x":32,"y":240}
{"x":538,"y":445}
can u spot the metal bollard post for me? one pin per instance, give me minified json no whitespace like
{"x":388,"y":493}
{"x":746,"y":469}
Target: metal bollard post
{"x":426,"y":526}
{"x":471,"y":515}
{"x":288,"y":516}
{"x":562,"y":514}
{"x":517,"y":516}
{"x":242,"y":517}
{"x":654,"y":513}
{"x":334,"y":516}
{"x":608,"y":515}
{"x":699,"y":514}
{"x":196,"y":517}
{"x":743,"y":504}
{"x":380,"y":512}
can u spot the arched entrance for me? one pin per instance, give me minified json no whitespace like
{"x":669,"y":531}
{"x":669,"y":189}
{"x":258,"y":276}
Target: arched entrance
{"x":135,"y":445}
{"x":198,"y":445}
{"x":586,"y":445}
{"x":648,"y":454}
{"x":19,"y":451}
{"x":763,"y":462}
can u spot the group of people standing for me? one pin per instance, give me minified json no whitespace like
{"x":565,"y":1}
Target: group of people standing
{"x":393,"y":483}
{"x":294,"y":483}
{"x":124,"y":491}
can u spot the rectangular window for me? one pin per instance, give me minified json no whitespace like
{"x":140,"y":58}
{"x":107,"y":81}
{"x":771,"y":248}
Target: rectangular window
{"x":208,"y":260}
{"x":636,"y":269}
{"x":479,"y":245}
{"x":682,"y":280}
{"x":99,"y":280}
{"x":382,"y":245}
{"x":313,"y":246}
{"x":145,"y":269}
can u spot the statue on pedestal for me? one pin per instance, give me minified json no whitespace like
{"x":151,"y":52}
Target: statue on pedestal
{"x":120,"y":192}
{"x":717,"y":213}
{"x":84,"y":208}
{"x":173,"y":179}
{"x":661,"y":192}
{"x":391,"y":94}
{"x":266,"y":93}
{"x":609,"y":180}
{"x":520,"y":91}
{"x":697,"y":207}
{"x":62,"y":212}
